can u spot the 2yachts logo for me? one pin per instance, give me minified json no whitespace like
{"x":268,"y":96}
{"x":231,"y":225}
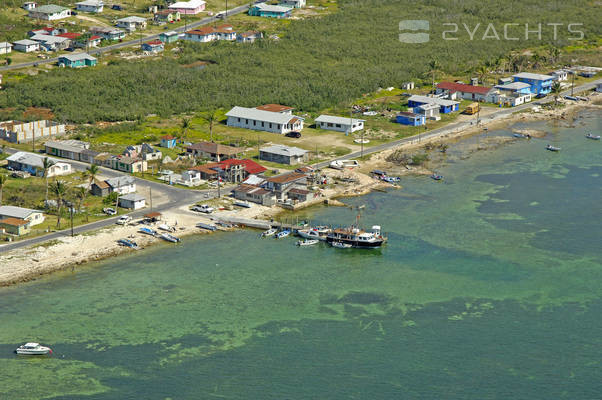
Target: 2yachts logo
{"x":414,"y":25}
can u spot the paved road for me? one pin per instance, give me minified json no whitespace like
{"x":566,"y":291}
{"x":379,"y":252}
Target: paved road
{"x":456,"y":126}
{"x":128,"y":43}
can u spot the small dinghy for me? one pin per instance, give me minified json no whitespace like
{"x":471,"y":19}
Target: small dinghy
{"x":269,"y":232}
{"x":437,"y":177}
{"x":128,"y":243}
{"x":283,"y":234}
{"x":341,"y":245}
{"x":33,"y":349}
{"x":307,"y":242}
{"x":169,"y":238}
{"x":242,"y":203}
{"x":224,"y":225}
{"x":552,"y":148}
{"x":519,"y":135}
{"x":167,"y":228}
{"x":209,"y":227}
{"x":148,"y":231}
{"x":592,"y":137}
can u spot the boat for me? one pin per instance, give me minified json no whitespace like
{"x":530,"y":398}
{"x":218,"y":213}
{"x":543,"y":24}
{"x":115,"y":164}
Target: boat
{"x":519,"y":135}
{"x":169,"y":238}
{"x":128,"y":243}
{"x":593,"y":137}
{"x":282,"y":234}
{"x":341,"y":245}
{"x":356,"y":237}
{"x":269,"y":232}
{"x":33,"y":349}
{"x":242,"y":203}
{"x":148,"y":231}
{"x":224,"y":225}
{"x":552,"y":148}
{"x":165,"y":227}
{"x":307,"y":242}
{"x":209,"y":227}
{"x":318,"y":232}
{"x":341,"y":164}
{"x":390,"y":179}
{"x":437,"y":177}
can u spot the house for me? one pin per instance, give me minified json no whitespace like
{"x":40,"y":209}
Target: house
{"x":34,"y":164}
{"x":23,"y":132}
{"x":107,"y":33}
{"x":445,"y":106}
{"x":132,"y":201}
{"x":225,"y":32}
{"x":124,"y":184}
{"x":50,"y":12}
{"x":292,"y":3}
{"x":154,"y":46}
{"x":209,"y":34}
{"x":49,"y":30}
{"x":167,"y":16}
{"x":540,"y":84}
{"x":87,"y":40}
{"x":79,"y":60}
{"x":169,"y":37}
{"x":213,"y":151}
{"x":283,"y":154}
{"x":100,"y":188}
{"x":270,"y":11}
{"x":410,"y":118}
{"x":190,"y":7}
{"x":429,"y":111}
{"x":512,"y":99}
{"x":464,"y":91}
{"x":128,"y":164}
{"x":514,"y":88}
{"x":248,"y":37}
{"x":191,"y":178}
{"x":168,"y":141}
{"x":255,"y":194}
{"x":231,"y":170}
{"x":149,"y":153}
{"x":51,"y":43}
{"x":130,"y":24}
{"x":5,"y":47}
{"x":280,"y":185}
{"x":94,"y":6}
{"x":34,"y":217}
{"x":88,"y":156}
{"x":29,"y":5}
{"x":560,"y":75}
{"x":71,"y":149}
{"x":256,"y":119}
{"x":72,"y":36}
{"x":14,"y":226}
{"x":340,"y":124}
{"x":407,"y":85}
{"x":104,"y":160}
{"x":26,"y":45}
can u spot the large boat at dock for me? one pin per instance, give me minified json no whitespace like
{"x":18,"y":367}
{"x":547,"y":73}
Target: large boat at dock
{"x":357,"y":238}
{"x":318,"y":233}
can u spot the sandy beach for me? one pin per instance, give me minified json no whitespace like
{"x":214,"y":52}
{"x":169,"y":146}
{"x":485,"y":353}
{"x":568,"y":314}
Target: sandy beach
{"x":69,"y":252}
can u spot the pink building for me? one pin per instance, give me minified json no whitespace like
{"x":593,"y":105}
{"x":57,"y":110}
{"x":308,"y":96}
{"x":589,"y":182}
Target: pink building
{"x":188,"y":7}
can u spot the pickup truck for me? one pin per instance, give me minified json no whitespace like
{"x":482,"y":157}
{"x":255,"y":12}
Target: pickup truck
{"x":203,"y":208}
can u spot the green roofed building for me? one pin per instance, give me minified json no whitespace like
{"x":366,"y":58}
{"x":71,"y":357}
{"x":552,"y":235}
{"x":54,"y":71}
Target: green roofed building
{"x":50,"y":12}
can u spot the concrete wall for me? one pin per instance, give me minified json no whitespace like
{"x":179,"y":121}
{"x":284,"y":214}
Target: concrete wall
{"x":23,"y":132}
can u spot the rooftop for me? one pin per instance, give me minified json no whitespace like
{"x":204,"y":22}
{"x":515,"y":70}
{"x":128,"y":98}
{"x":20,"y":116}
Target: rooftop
{"x":330,"y":119}
{"x":132,"y":197}
{"x":132,"y":19}
{"x":29,"y":159}
{"x":67,"y":145}
{"x":119,"y":181}
{"x":288,"y":177}
{"x":13,"y":221}
{"x":78,"y":56}
{"x":274,"y":108}
{"x":260,"y":115}
{"x":16,"y":212}
{"x":187,"y":4}
{"x":513,"y":86}
{"x":26,"y":42}
{"x":215,"y":148}
{"x":49,"y":38}
{"x":463,"y":87}
{"x":537,"y":77}
{"x":49,"y":9}
{"x":283,"y":150}
{"x":271,"y":8}
{"x":433,"y":100}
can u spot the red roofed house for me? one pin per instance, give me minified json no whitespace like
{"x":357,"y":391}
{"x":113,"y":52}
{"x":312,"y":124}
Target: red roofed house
{"x":15,"y":226}
{"x":231,"y":170}
{"x":467,"y":92}
{"x":154,"y":46}
{"x":168,"y":142}
{"x":70,"y":35}
{"x":209,"y":34}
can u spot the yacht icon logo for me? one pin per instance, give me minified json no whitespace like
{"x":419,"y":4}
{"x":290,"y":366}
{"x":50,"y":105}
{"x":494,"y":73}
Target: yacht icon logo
{"x":414,"y":25}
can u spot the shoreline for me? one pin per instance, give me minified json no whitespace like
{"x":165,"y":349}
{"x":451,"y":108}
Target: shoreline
{"x":39,"y":260}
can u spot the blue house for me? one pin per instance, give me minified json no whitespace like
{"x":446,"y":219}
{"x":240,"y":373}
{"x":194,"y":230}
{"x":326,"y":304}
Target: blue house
{"x":445,"y":106}
{"x":155,"y":46}
{"x":410,"y":118}
{"x":78,"y":60}
{"x":270,"y":11}
{"x":168,"y":142}
{"x":540,"y":84}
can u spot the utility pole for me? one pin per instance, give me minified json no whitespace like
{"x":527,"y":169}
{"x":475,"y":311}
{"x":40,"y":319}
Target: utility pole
{"x":151,"y":198}
{"x":573,"y":82}
{"x":219,"y":177}
{"x":71,"y":208}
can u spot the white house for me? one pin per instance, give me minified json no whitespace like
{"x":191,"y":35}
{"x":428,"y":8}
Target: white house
{"x":95,"y":6}
{"x":50,"y":12}
{"x":34,"y":164}
{"x":29,"y":5}
{"x":248,"y":37}
{"x":260,"y":120}
{"x":34,"y":217}
{"x":26,"y":45}
{"x":5,"y":47}
{"x":560,"y":75}
{"x":188,"y":7}
{"x":429,"y":110}
{"x":283,"y":154}
{"x":124,"y":184}
{"x":131,"y":23}
{"x":132,"y":201}
{"x":340,"y":124}
{"x":51,"y":43}
{"x":292,"y":3}
{"x":467,"y":92}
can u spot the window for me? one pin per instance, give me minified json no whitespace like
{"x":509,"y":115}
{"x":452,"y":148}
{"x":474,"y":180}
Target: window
{"x":330,"y":124}
{"x":239,"y":120}
{"x":262,"y":124}
{"x":254,"y":123}
{"x":270,"y":125}
{"x":247,"y":121}
{"x":338,"y":125}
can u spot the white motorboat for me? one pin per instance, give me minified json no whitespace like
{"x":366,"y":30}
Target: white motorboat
{"x":33,"y":349}
{"x":341,"y":245}
{"x":318,"y":232}
{"x":307,"y":242}
{"x":242,"y":203}
{"x":169,"y":238}
{"x":283,"y":234}
{"x":592,"y":136}
{"x":148,"y":231}
{"x":269,"y":232}
{"x":552,"y":148}
{"x":341,"y":164}
{"x":167,"y":228}
{"x":209,"y":227}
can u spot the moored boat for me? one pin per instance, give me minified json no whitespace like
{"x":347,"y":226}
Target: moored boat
{"x":128,"y":243}
{"x":437,"y":177}
{"x":318,"y":233}
{"x":269,"y":232}
{"x":282,"y":234}
{"x":169,"y":238}
{"x":148,"y":231}
{"x":167,"y":228}
{"x":593,"y":137}
{"x":209,"y":227}
{"x":341,"y":245}
{"x":356,"y":237}
{"x":33,"y":349}
{"x":552,"y":148}
{"x":307,"y":242}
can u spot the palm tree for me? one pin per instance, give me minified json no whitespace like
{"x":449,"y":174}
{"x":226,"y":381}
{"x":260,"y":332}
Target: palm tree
{"x":46,"y":164}
{"x":3,"y":179}
{"x":556,"y":91}
{"x":91,"y":173}
{"x":59,"y":189}
{"x":434,"y":67}
{"x":185,"y":125}
{"x":483,"y":73}
{"x":80,"y":195}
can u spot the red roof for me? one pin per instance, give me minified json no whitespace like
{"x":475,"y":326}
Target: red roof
{"x":206,"y":30}
{"x":48,"y":29}
{"x":14,"y":221}
{"x":167,"y":137}
{"x":462,"y":87}
{"x":274,"y":107}
{"x":250,"y":166}
{"x":95,"y":37}
{"x":70,"y":35}
{"x":155,"y":42}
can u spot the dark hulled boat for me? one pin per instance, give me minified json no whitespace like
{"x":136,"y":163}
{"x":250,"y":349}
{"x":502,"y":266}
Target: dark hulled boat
{"x":357,"y":238}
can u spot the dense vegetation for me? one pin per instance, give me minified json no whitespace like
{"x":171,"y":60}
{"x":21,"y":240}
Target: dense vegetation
{"x":319,"y":63}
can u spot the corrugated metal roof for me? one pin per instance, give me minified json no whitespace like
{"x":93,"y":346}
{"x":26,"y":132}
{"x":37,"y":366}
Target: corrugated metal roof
{"x":330,"y":119}
{"x":432,"y":100}
{"x":16,"y":212}
{"x":260,"y":115}
{"x":537,"y":77}
{"x":120,"y":181}
{"x":283,"y":150}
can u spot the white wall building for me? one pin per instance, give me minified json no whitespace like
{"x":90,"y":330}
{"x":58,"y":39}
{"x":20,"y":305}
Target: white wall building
{"x":131,"y":23}
{"x":34,"y":217}
{"x":49,"y":12}
{"x":95,"y":6}
{"x":5,"y":47}
{"x":340,"y":124}
{"x":260,"y":120}
{"x":26,"y":45}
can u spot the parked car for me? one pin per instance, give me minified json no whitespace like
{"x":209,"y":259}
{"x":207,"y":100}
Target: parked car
{"x":109,"y":211}
{"x":124,"y":220}
{"x":295,"y":135}
{"x":204,"y":208}
{"x":116,"y":7}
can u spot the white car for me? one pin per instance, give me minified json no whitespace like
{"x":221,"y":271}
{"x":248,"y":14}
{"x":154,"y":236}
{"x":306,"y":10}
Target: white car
{"x":203,"y":208}
{"x":109,"y":211}
{"x":124,"y":219}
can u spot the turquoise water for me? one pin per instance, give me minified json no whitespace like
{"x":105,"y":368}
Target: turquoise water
{"x":489,"y":288}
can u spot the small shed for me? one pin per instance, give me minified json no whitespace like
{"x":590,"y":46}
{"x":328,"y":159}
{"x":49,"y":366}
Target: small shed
{"x":15,"y":226}
{"x":132,"y":201}
{"x":153,"y":216}
{"x":410,"y":118}
{"x":168,"y":142}
{"x":100,"y":188}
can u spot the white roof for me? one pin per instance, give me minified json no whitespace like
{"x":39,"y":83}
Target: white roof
{"x":337,"y":120}
{"x":283,"y":150}
{"x":513,"y":86}
{"x":77,"y":57}
{"x":260,"y":115}
{"x":17,"y":212}
{"x":428,"y":106}
{"x":29,"y":159}
{"x":132,"y":197}
{"x":432,"y":100}
{"x":49,"y":39}
{"x":272,"y":8}
{"x":119,"y":181}
{"x":132,"y":19}
{"x":537,"y":77}
{"x":25,"y":42}
{"x":187,"y":4}
{"x":5,"y":44}
{"x":93,"y":3}
{"x":254,"y":180}
{"x":170,"y":33}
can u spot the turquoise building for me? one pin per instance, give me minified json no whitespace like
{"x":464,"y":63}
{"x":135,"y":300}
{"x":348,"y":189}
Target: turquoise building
{"x":270,"y":11}
{"x":78,"y":60}
{"x":540,"y":84}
